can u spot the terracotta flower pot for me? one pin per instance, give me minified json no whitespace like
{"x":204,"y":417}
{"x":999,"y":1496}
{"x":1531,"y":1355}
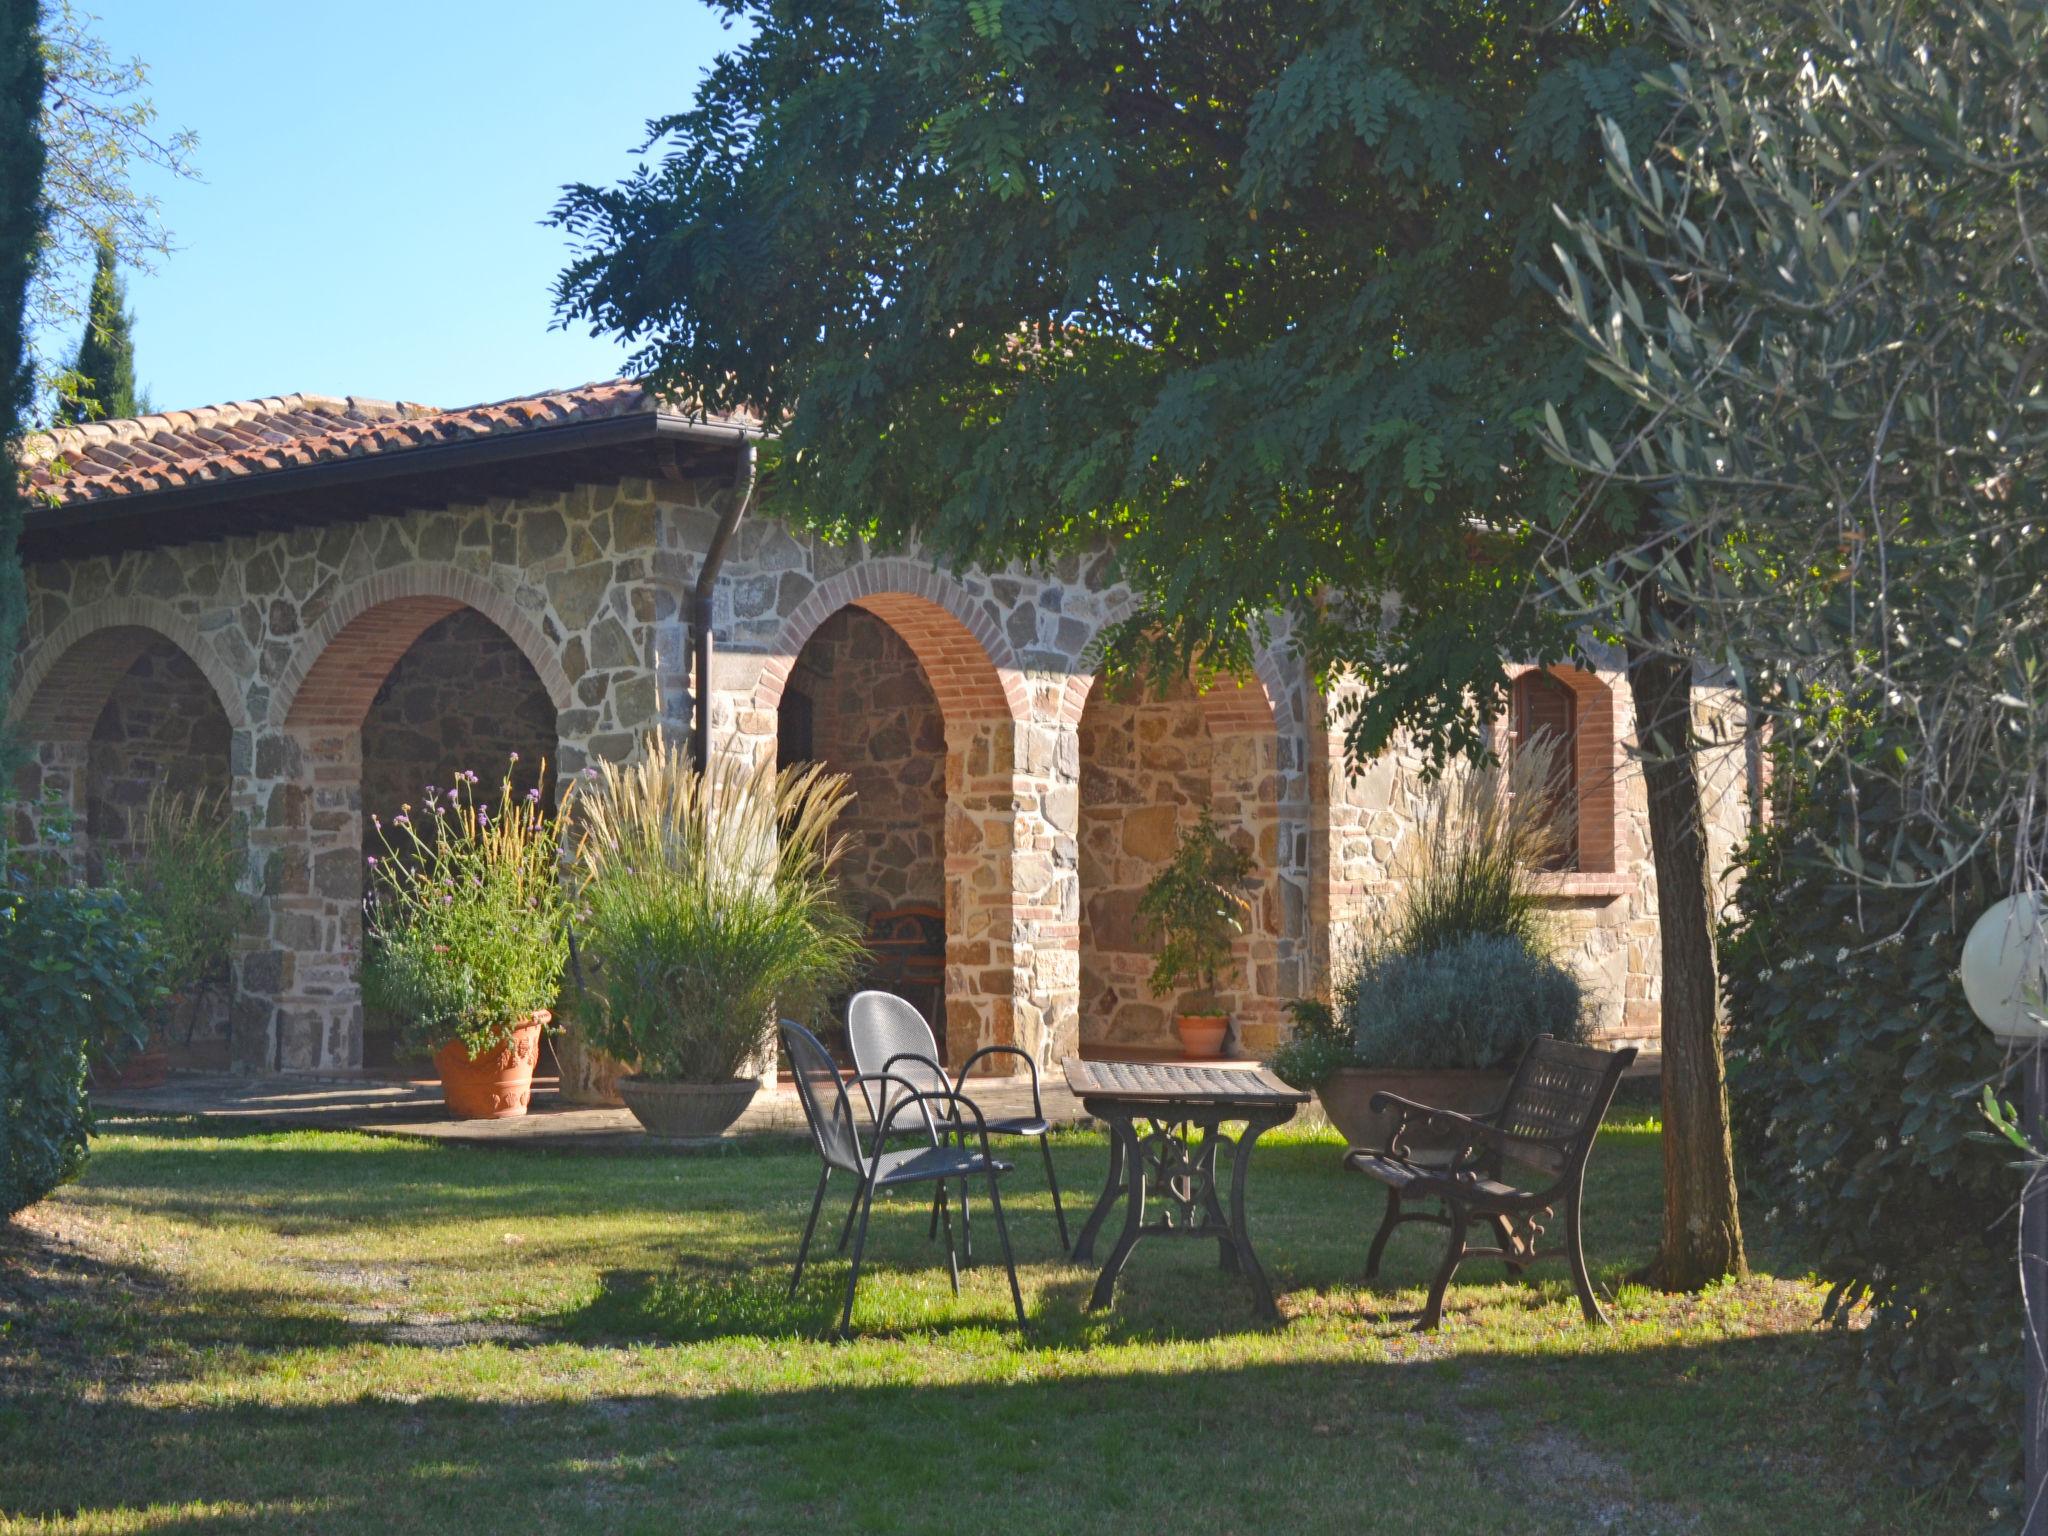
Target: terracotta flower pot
{"x":1201,"y":1034}
{"x":687,"y":1111}
{"x":1347,"y":1094}
{"x":147,"y":1068}
{"x":498,"y":1085}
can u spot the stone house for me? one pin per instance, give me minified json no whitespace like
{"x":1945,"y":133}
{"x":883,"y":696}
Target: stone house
{"x":315,"y":607}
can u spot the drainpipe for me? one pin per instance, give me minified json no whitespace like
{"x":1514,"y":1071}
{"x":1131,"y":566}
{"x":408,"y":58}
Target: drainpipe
{"x":700,"y":603}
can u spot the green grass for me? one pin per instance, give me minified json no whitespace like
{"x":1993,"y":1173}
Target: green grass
{"x":336,"y":1333}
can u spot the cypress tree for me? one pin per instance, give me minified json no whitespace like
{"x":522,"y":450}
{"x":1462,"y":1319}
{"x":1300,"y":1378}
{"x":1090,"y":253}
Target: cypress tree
{"x":104,"y":370}
{"x":21,"y":229}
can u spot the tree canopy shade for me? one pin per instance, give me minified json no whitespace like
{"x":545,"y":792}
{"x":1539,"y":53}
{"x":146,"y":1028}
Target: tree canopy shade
{"x":21,"y":233}
{"x":101,"y":383}
{"x":1240,"y":290}
{"x":1243,"y":292}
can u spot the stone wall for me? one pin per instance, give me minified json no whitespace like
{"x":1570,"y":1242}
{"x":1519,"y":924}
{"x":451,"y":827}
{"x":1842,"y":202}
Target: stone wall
{"x":872,"y":717}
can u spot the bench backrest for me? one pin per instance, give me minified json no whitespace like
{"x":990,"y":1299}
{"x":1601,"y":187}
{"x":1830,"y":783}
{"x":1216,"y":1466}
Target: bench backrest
{"x":1561,"y":1092}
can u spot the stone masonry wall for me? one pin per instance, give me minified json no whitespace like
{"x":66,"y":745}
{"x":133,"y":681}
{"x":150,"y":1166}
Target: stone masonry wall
{"x":873,"y":718}
{"x":161,"y":728}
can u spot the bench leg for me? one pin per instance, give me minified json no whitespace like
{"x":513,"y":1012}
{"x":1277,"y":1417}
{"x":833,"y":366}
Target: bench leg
{"x":1505,"y":1231}
{"x":1379,"y":1242}
{"x":1433,"y":1312}
{"x":1576,"y":1253}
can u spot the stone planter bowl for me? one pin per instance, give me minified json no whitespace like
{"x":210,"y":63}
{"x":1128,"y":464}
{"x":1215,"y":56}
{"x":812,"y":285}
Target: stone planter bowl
{"x":687,"y":1111}
{"x":1347,"y":1092}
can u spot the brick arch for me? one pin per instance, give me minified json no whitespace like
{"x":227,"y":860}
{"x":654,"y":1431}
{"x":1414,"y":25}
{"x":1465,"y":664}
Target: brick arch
{"x":1231,"y":706}
{"x":72,"y":670}
{"x":966,"y":659}
{"x":344,"y":656}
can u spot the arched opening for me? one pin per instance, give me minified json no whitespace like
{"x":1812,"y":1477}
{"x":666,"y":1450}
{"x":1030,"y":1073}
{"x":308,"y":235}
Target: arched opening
{"x":461,"y":697}
{"x":909,"y":689}
{"x":1151,"y":763}
{"x":121,"y":707}
{"x":858,"y":702}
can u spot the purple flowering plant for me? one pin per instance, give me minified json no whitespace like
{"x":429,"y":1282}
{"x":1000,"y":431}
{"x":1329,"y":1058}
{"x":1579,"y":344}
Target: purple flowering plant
{"x":468,"y":936}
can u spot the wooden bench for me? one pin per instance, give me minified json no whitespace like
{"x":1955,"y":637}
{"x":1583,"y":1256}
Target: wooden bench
{"x":1547,"y":1122}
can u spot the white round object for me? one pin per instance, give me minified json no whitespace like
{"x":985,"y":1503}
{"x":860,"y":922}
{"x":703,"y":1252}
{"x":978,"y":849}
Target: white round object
{"x":2005,"y":968}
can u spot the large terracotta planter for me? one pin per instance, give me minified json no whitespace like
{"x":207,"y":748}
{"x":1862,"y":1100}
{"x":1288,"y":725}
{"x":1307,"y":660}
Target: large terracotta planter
{"x":147,"y":1068}
{"x":687,"y":1111}
{"x":589,"y":1076}
{"x":1201,"y":1034}
{"x":498,"y":1085}
{"x":1347,"y":1093}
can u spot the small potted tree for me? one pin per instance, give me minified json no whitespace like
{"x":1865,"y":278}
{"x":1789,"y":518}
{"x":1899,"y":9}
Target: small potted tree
{"x":705,"y":907}
{"x":468,"y":938}
{"x":1194,"y":909}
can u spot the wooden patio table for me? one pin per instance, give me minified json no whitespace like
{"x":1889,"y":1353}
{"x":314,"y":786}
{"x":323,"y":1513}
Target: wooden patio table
{"x":1168,"y":1101}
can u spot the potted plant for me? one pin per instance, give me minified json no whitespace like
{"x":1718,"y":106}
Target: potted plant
{"x":1194,"y":908}
{"x":1443,"y":1028}
{"x":705,"y":907}
{"x":1441,"y":1008}
{"x":468,"y":937}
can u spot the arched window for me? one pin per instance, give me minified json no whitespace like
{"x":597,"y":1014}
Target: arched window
{"x":1547,"y":712}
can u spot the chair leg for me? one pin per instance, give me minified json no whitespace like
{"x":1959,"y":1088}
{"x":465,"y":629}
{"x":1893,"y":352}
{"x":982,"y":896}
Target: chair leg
{"x":1576,"y":1253}
{"x":944,"y":1212}
{"x":865,"y":1204}
{"x":817,"y":1200}
{"x":966,"y":1228}
{"x":1433,"y":1312}
{"x":1379,"y":1241}
{"x":1052,"y":1181}
{"x":846,"y":1229}
{"x":938,"y":1200}
{"x":995,"y":1202}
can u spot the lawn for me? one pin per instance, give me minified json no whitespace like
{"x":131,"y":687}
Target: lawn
{"x":336,"y":1333}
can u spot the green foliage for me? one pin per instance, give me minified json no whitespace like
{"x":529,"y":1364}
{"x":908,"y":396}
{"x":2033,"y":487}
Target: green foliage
{"x":1240,"y":294}
{"x":101,"y":381}
{"x":707,"y":906}
{"x":21,"y":238}
{"x":1473,"y":1002}
{"x":469,"y":926}
{"x":1195,"y":908}
{"x":1855,"y":1070}
{"x":82,"y":973}
{"x":187,"y":879}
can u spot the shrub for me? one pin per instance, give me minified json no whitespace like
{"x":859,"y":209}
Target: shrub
{"x":1474,"y":1003}
{"x":79,"y":966}
{"x":707,"y":904}
{"x":186,"y":879}
{"x":1854,"y":1070}
{"x":1194,"y":908}
{"x":469,"y":921}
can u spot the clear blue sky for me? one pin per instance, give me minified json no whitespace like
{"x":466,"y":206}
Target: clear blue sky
{"x":373,"y":180}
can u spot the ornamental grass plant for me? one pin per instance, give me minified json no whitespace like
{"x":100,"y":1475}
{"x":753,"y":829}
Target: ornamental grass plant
{"x":468,"y":917}
{"x":706,"y":906}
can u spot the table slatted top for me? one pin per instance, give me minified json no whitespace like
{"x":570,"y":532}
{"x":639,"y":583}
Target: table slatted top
{"x":1170,"y":1082}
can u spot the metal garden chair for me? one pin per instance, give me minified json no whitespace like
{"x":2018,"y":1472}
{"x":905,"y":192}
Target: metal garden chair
{"x":889,"y":1035}
{"x":1548,"y":1123}
{"x":953,"y":1156}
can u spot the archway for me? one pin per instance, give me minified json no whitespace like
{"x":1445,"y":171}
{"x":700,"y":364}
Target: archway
{"x":1152,"y":761}
{"x":897,"y":678}
{"x":398,"y":690}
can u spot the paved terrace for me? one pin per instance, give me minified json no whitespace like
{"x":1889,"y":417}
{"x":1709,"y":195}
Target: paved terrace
{"x":398,"y":1106}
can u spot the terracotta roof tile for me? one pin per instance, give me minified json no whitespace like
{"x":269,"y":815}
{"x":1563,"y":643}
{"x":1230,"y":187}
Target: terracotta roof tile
{"x":105,"y":459}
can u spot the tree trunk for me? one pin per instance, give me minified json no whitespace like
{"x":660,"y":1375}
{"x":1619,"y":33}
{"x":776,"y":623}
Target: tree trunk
{"x":1702,"y":1228}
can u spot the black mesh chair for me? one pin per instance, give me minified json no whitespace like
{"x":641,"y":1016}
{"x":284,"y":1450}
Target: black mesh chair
{"x":942,"y":1159}
{"x":889,"y":1036}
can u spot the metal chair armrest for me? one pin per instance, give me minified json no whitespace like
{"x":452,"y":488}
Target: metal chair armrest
{"x":911,"y":1095}
{"x":956,"y":1097}
{"x":1030,"y":1064}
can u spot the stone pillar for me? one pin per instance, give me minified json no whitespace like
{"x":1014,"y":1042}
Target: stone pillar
{"x":298,"y":985}
{"x":1045,"y":882}
{"x":49,"y":820}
